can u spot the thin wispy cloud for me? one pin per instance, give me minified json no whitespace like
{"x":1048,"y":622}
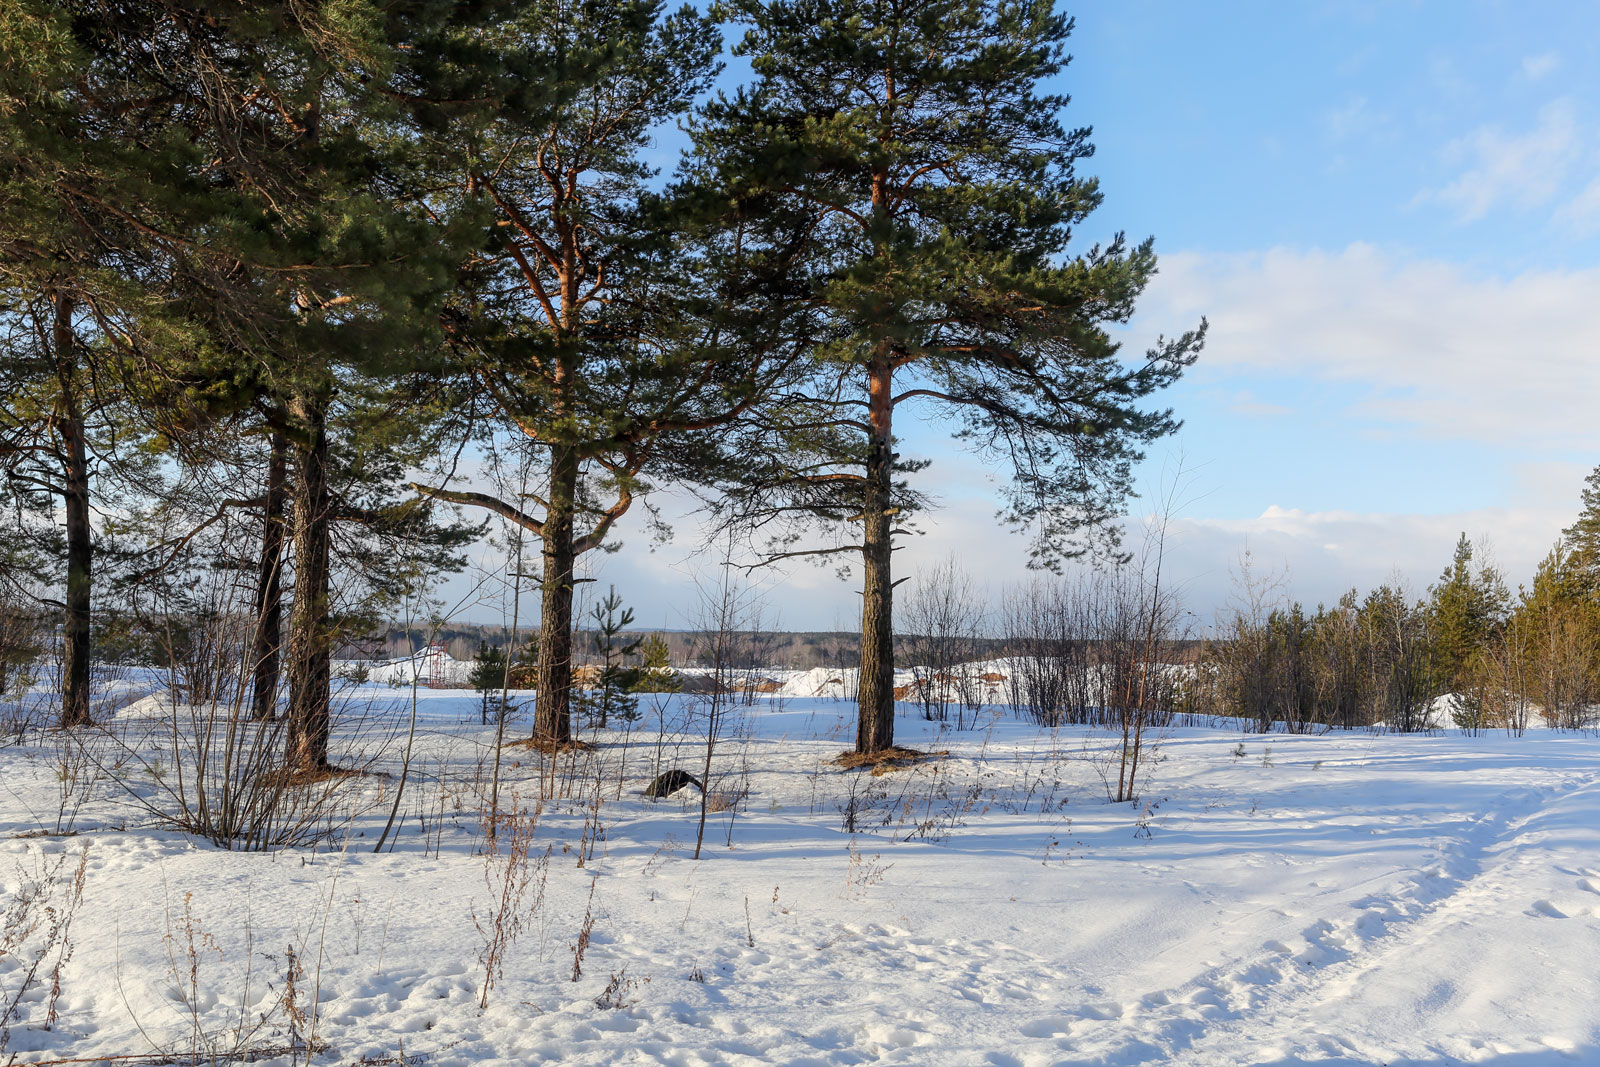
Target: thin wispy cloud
{"x":1582,"y":213}
{"x":1536,"y":67}
{"x":1246,"y":403}
{"x":1502,"y":167}
{"x":1351,"y":119}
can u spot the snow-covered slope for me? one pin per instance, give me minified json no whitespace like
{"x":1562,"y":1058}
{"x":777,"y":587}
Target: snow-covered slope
{"x":1346,"y":899}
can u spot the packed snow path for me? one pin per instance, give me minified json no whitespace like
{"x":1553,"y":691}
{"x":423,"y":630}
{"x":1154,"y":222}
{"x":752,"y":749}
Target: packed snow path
{"x":1345,"y":899}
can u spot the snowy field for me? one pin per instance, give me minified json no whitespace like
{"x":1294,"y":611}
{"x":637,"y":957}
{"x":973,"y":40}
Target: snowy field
{"x":1343,"y":899}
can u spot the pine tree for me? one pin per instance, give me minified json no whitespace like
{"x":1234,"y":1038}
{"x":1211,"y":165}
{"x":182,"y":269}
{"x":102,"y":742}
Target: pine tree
{"x":613,"y":691}
{"x":1468,"y":605}
{"x":656,"y":674}
{"x":294,"y":246}
{"x":488,"y":674}
{"x":75,"y":155}
{"x":1582,"y":538}
{"x":599,"y":324}
{"x":914,"y":149}
{"x":1558,"y":622}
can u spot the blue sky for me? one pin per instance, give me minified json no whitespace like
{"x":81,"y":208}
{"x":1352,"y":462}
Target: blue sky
{"x":1390,"y":212}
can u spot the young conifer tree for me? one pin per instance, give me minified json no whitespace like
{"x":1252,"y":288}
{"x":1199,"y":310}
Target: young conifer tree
{"x":1468,"y":605}
{"x":922,"y":144}
{"x":1582,"y":538}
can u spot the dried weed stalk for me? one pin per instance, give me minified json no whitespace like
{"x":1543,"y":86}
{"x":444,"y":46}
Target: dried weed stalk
{"x":36,"y":932}
{"x":515,"y":875}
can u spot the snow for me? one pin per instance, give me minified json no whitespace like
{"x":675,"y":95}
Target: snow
{"x":1343,"y":899}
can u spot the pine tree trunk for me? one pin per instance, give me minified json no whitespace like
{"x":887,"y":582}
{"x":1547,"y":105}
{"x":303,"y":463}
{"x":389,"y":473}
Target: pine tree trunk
{"x":875,"y":696}
{"x":309,"y":666}
{"x":269,"y":587}
{"x":75,"y":635}
{"x":553,"y":704}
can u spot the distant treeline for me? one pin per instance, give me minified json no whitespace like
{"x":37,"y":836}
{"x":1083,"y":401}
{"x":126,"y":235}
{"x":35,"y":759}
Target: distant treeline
{"x":784,"y":650}
{"x":800,"y":650}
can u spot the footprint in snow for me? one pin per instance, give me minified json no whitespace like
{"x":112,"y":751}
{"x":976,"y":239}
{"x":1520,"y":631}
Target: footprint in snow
{"x":1103,"y":1011}
{"x":1547,"y":909}
{"x":1259,"y":974}
{"x":1567,"y":1048}
{"x":1049,"y":1026}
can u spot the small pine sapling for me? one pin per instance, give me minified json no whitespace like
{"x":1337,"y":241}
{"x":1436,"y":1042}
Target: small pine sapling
{"x":488,"y":674}
{"x":614,"y":688}
{"x":655,"y":670}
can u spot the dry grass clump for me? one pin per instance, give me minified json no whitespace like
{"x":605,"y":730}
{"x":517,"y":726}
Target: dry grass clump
{"x":549,"y":747}
{"x":889,"y":759}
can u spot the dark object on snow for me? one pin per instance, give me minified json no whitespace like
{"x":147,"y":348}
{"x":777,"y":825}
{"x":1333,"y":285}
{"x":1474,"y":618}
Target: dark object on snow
{"x":669,"y":783}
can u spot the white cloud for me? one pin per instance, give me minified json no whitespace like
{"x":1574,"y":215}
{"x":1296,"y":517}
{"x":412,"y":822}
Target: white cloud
{"x":1536,"y":67}
{"x":1525,"y":169}
{"x":1325,"y":553}
{"x":1489,"y":359}
{"x":1582,"y":212}
{"x":1244,"y":402}
{"x":1354,"y":117}
{"x":1322,"y":553}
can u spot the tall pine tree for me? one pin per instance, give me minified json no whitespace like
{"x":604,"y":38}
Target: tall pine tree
{"x":607,"y":326}
{"x":920,"y":150}
{"x":292,"y":242}
{"x":76,"y":159}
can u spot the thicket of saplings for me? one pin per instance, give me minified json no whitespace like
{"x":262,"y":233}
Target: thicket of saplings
{"x":1469,"y":654}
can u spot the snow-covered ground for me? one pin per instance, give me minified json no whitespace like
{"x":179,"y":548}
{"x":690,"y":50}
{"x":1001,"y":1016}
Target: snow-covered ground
{"x":1343,"y":899}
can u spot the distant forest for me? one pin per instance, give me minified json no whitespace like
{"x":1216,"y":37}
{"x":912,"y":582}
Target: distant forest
{"x":794,"y":651}
{"x":799,"y":650}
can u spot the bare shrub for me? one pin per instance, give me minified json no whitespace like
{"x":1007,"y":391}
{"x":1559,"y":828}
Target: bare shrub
{"x":214,"y":1025}
{"x":1506,"y":703}
{"x":22,"y":642}
{"x":1140,"y":621}
{"x":1049,"y":627}
{"x":585,"y":932}
{"x":944,"y":617}
{"x":618,"y":990}
{"x":863,"y":871}
{"x":1398,"y":637}
{"x":1102,"y":649}
{"x":214,"y":768}
{"x":728,"y":621}
{"x":78,"y":775}
{"x":213,"y":771}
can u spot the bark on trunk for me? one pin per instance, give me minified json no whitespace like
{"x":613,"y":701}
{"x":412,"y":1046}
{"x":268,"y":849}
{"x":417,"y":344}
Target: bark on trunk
{"x":309,"y":668}
{"x":553,"y":705}
{"x":75,"y":659}
{"x":269,"y":587}
{"x":875,"y":696}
